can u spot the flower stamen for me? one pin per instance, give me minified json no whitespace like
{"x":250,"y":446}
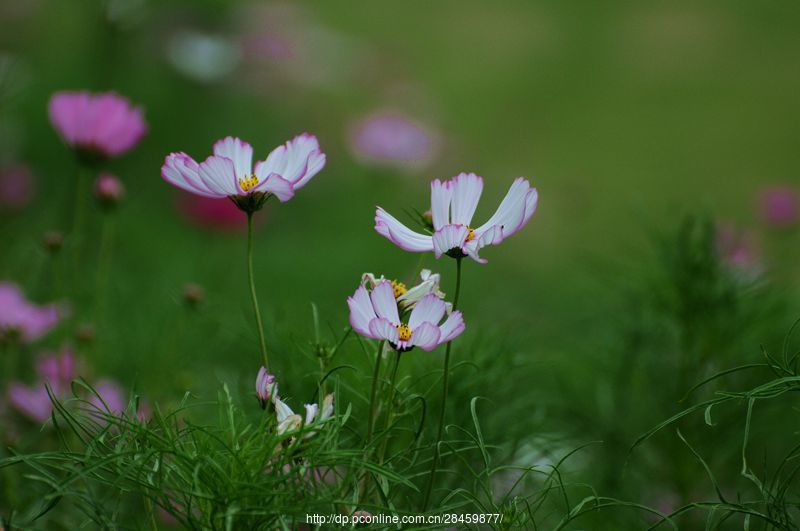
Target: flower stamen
{"x":248,"y":183}
{"x":404,"y":332}
{"x":399,"y":289}
{"x":470,"y":234}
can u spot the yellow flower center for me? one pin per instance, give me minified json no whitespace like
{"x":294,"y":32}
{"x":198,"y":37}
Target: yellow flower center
{"x":399,"y":289}
{"x":404,"y":331}
{"x":248,"y":183}
{"x":470,"y":234}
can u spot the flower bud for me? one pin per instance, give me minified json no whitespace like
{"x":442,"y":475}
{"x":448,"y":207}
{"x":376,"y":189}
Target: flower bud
{"x":53,"y":241}
{"x":266,"y":387}
{"x":85,"y":333}
{"x":193,"y":295}
{"x":108,"y":190}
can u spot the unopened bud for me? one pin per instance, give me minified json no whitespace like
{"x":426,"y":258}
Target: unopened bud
{"x":193,"y":295}
{"x":85,"y":333}
{"x":108,"y":190}
{"x":53,"y":241}
{"x":266,"y":387}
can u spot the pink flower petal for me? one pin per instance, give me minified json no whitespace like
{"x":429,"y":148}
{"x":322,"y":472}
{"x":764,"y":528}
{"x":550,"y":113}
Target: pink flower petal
{"x":449,"y":237}
{"x":467,"y":189}
{"x":361,"y":311}
{"x":387,"y":226}
{"x":429,"y":309}
{"x":384,"y":302}
{"x":240,"y":153}
{"x":426,"y":336}
{"x":381,"y":328}
{"x":452,"y":327}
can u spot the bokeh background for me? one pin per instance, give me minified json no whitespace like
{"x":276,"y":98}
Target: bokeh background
{"x":629,"y":118}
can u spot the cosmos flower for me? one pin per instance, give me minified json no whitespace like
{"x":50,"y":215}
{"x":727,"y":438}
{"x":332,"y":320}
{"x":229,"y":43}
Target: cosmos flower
{"x":16,"y":187}
{"x":229,"y":172}
{"x":376,"y":316}
{"x":390,"y":138}
{"x":266,"y":387}
{"x":211,"y":213}
{"x":20,"y":319}
{"x":408,"y":297}
{"x":780,"y":206}
{"x":103,"y":125}
{"x":289,"y":421}
{"x":453,"y":204}
{"x":55,"y":371}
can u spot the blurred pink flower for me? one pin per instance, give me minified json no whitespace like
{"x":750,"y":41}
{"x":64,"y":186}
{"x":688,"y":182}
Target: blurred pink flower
{"x":737,"y":248}
{"x":390,"y":138}
{"x":108,"y":189}
{"x":780,"y":206}
{"x":230,"y":171}
{"x":211,"y":213}
{"x":376,"y":316}
{"x":453,"y":204}
{"x":55,"y":371}
{"x":111,"y":399}
{"x":16,"y":187}
{"x":103,"y":124}
{"x":20,"y":319}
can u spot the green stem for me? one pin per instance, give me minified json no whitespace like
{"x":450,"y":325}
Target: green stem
{"x":250,"y":275}
{"x":373,"y":393}
{"x":104,"y":264}
{"x":78,"y":217}
{"x":445,"y":382}
{"x":390,"y":411}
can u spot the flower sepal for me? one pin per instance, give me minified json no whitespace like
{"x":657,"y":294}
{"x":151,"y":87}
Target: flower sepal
{"x":252,"y":202}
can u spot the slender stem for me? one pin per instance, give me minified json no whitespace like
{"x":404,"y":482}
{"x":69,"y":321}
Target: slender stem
{"x":390,"y":405}
{"x":373,"y":393}
{"x":78,"y":216}
{"x":250,"y":275}
{"x":104,"y":264}
{"x":445,"y":382}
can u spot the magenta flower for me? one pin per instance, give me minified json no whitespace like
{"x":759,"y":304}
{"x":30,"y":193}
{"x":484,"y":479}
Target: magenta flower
{"x":390,"y":138}
{"x":105,"y":124}
{"x":211,"y":213}
{"x":19,"y":319}
{"x":376,"y":316}
{"x":780,"y":206}
{"x":108,"y":190}
{"x":109,"y":397}
{"x":453,"y":204}
{"x":56,"y":371}
{"x":266,"y":387}
{"x":229,"y":172}
{"x":16,"y":187}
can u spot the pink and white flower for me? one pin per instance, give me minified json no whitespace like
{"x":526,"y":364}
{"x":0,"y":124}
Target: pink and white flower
{"x":230,"y":172}
{"x":408,"y":297}
{"x":266,"y":387}
{"x":20,"y":319}
{"x":453,"y":204}
{"x":104,"y":124}
{"x":289,"y":421}
{"x":375,"y":315}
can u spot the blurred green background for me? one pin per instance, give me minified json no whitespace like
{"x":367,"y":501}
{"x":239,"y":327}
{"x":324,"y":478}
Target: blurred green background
{"x":626,"y":116}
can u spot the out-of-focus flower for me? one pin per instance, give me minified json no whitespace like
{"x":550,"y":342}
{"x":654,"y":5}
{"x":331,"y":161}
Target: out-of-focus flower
{"x":230,"y":171}
{"x":390,"y":138}
{"x":55,"y":371}
{"x":53,"y":241}
{"x":193,"y":294}
{"x":266,"y":387}
{"x":211,"y":213}
{"x":408,"y":297}
{"x":16,"y":187}
{"x":97,"y":125}
{"x":780,"y":206}
{"x":453,"y":204}
{"x":738,"y":250}
{"x":201,"y":56}
{"x":22,"y":320}
{"x":289,"y":421}
{"x":109,"y":397}
{"x":108,"y":190}
{"x":376,"y":316}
